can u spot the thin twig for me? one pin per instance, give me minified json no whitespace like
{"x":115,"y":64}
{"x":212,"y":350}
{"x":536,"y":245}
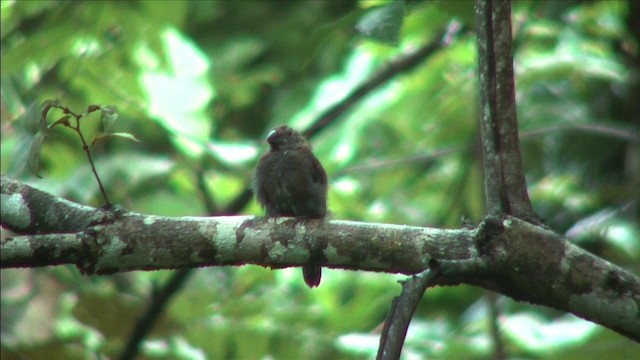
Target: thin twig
{"x":400,"y":314}
{"x":624,"y":133}
{"x":85,"y":147}
{"x":394,"y":68}
{"x":377,"y":164}
{"x":159,"y":302}
{"x":494,"y":325}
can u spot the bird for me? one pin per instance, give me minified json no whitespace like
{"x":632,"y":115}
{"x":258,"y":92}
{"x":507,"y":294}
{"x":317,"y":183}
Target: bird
{"x":290,"y":181}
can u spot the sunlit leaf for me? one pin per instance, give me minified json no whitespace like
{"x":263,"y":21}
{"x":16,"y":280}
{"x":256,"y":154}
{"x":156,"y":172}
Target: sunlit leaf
{"x":539,"y":335}
{"x":232,"y":153}
{"x":101,"y":136}
{"x":177,"y":97}
{"x":124,"y":135}
{"x":383,"y":24}
{"x":624,"y":235}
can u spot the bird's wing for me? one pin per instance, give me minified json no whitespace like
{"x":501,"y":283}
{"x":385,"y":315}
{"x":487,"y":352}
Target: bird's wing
{"x":318,"y":175}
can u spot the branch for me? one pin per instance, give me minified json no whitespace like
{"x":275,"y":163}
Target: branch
{"x":505,"y":185}
{"x":494,"y":318}
{"x":509,"y":256}
{"x":400,"y":65}
{"x":401,"y":312}
{"x":157,"y":304}
{"x":144,"y":325}
{"x":396,"y":67}
{"x":488,"y":128}
{"x":143,"y":242}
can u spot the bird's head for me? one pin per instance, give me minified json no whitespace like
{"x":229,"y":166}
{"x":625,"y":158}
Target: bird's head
{"x":284,"y":137}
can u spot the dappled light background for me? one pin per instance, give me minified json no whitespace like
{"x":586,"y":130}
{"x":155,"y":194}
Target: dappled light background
{"x":201,"y":83}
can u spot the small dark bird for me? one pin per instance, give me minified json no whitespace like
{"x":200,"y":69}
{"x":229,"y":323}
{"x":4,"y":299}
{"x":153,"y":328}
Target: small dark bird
{"x":290,"y":181}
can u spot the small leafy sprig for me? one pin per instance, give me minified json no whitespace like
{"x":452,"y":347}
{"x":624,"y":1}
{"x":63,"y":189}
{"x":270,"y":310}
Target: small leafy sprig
{"x":72,"y":120}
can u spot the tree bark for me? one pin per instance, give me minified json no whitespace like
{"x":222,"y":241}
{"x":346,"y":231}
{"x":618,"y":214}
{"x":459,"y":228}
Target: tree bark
{"x":505,"y":185}
{"x":506,"y":255}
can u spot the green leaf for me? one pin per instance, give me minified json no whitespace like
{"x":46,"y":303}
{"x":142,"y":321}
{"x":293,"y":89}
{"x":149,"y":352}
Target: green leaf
{"x":103,"y":135}
{"x":34,"y":153}
{"x":125,"y":135}
{"x":46,"y":106}
{"x":108,"y":116}
{"x":62,"y":121}
{"x":31,"y":120}
{"x":383,"y":24}
{"x":177,"y":97}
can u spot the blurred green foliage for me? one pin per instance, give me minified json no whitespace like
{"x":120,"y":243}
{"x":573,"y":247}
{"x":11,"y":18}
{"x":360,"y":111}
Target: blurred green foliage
{"x":201,"y":83}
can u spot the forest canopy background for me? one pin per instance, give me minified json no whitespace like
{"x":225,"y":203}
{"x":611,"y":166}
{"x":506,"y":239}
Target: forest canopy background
{"x":201,"y":83}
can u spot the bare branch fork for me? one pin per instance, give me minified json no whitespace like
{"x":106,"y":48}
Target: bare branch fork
{"x":506,"y":195}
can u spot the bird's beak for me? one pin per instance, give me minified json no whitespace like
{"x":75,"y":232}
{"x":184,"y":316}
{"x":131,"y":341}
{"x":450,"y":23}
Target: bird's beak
{"x":271,"y":134}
